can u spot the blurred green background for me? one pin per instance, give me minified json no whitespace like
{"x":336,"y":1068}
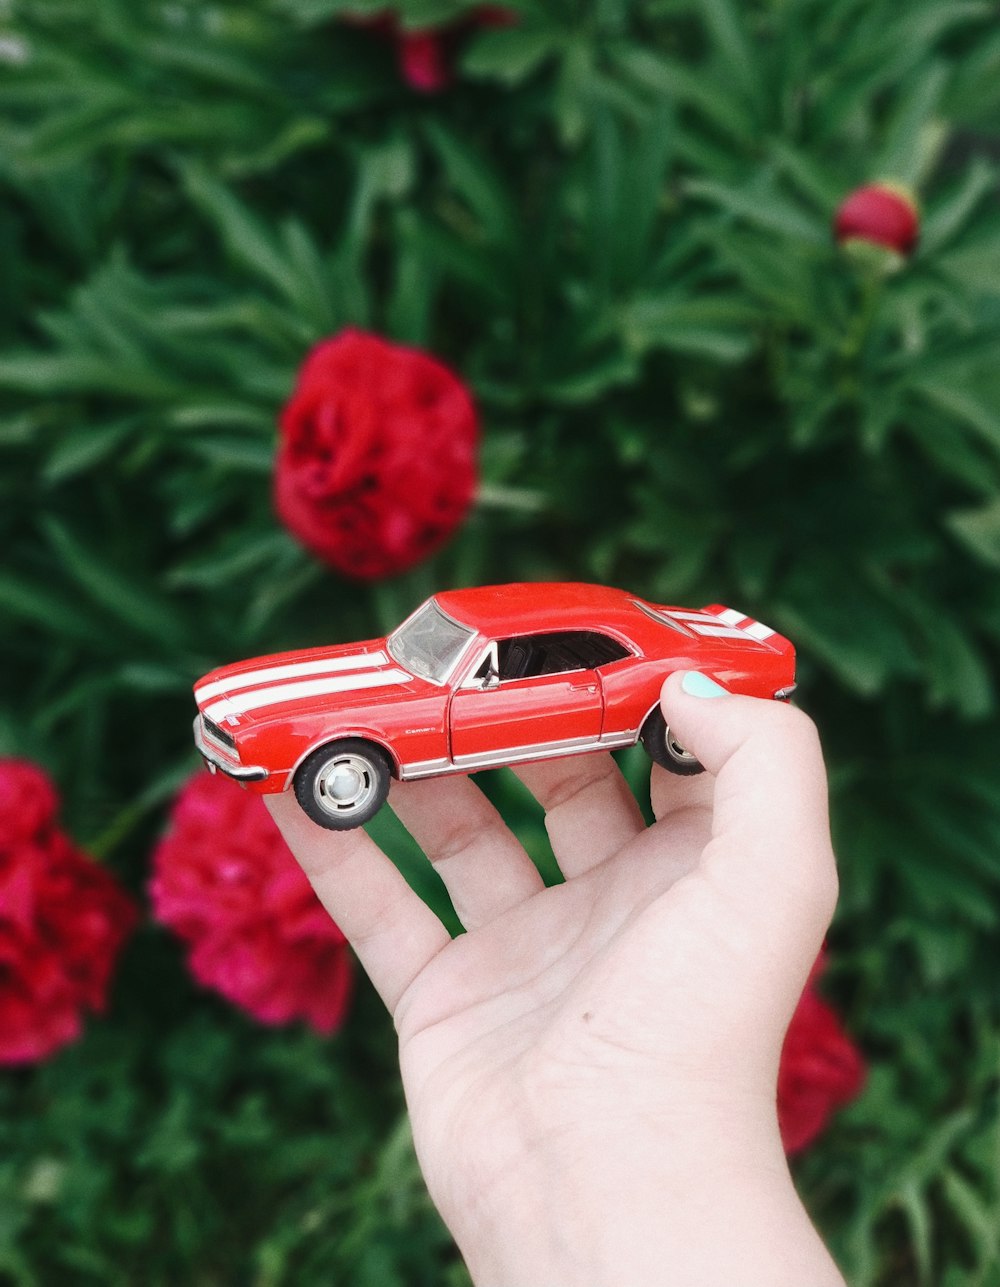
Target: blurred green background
{"x":615,"y":225}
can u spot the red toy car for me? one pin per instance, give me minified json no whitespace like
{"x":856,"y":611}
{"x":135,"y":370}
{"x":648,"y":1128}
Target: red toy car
{"x":473,"y":679}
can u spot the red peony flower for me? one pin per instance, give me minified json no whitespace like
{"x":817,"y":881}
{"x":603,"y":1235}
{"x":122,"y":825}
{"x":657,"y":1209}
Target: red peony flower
{"x":426,"y":55}
{"x":880,"y":214}
{"x":63,"y":920}
{"x":821,"y":1070}
{"x":226,"y":883}
{"x":376,"y":464}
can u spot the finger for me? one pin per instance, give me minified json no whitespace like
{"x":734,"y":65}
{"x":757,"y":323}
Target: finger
{"x":770,"y":848}
{"x":682,"y":807}
{"x":670,"y":793}
{"x":590,"y":813}
{"x":484,"y":868}
{"x":393,"y":932}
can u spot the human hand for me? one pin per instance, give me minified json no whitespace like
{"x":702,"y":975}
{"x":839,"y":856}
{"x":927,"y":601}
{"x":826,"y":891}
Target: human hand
{"x":591,"y":1068}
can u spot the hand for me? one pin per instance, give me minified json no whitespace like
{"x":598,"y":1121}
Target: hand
{"x":591,"y":1068}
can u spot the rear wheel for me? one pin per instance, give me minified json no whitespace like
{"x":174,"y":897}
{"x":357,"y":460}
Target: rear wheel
{"x":344,"y":784}
{"x":664,"y":749}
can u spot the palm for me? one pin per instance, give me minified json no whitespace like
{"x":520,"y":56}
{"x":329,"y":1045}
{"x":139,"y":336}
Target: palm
{"x":541,"y":1014}
{"x":555,"y":957}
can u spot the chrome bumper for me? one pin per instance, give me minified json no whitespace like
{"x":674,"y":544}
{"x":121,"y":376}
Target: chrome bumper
{"x":785,"y":694}
{"x":215,"y":760}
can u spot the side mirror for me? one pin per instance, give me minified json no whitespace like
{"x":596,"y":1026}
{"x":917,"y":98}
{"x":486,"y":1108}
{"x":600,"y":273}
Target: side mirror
{"x":490,"y":680}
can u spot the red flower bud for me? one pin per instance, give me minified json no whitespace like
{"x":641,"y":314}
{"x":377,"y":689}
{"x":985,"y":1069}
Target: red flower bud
{"x":881,"y":214}
{"x":423,"y":60}
{"x":427,"y":55}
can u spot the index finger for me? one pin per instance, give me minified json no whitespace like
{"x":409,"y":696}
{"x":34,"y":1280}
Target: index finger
{"x":393,"y":932}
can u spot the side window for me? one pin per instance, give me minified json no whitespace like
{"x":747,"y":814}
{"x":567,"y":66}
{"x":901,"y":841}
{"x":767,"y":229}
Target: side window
{"x":601,"y":649}
{"x":515,"y":658}
{"x":552,"y":654}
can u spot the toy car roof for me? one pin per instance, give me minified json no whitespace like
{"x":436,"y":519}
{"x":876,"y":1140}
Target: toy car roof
{"x":529,"y":606}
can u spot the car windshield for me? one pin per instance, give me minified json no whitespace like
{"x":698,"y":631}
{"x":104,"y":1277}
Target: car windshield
{"x":428,"y":643}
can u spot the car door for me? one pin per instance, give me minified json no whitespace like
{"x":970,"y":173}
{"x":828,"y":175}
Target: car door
{"x":525,"y":697}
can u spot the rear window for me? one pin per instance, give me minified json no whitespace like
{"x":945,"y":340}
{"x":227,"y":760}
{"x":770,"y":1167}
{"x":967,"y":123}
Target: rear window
{"x":662,"y":617}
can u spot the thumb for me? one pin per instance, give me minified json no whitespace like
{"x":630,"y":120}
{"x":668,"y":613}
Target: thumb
{"x":770,"y":849}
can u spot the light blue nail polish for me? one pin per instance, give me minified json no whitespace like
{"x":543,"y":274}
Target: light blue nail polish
{"x":698,"y":685}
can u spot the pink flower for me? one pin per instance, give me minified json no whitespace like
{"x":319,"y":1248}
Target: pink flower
{"x":226,"y":883}
{"x":63,"y":920}
{"x":821,"y":1070}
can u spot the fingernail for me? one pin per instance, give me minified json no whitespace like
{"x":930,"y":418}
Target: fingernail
{"x":695,"y":684}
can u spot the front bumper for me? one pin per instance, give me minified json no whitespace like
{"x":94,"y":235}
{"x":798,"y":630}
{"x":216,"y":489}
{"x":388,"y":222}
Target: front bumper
{"x":216,"y":760}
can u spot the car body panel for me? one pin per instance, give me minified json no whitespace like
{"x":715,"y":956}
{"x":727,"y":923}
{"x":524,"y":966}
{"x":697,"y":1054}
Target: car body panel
{"x":276,"y":709}
{"x":523,"y":712}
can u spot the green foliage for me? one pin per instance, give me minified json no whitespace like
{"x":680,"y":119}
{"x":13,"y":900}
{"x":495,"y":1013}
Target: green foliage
{"x":616,"y":226}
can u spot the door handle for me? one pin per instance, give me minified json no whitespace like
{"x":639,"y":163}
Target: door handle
{"x":584,"y":688}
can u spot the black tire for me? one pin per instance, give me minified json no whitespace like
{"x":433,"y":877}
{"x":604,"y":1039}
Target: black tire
{"x":364,"y":773}
{"x":663,"y":750}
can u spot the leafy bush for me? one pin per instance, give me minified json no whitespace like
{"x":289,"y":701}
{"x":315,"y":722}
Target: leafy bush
{"x":615,"y":225}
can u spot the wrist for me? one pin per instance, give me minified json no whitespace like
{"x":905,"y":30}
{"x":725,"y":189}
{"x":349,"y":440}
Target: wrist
{"x":621,"y":1208}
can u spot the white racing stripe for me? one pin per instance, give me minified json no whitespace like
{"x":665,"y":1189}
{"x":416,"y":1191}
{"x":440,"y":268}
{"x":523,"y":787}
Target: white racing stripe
{"x":289,"y":670}
{"x":719,"y":632}
{"x":279,"y":693}
{"x":725,"y":624}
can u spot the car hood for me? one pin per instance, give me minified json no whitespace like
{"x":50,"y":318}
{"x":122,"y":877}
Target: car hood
{"x":289,"y":683}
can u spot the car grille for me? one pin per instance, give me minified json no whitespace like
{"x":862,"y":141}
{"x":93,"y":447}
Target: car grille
{"x":219,"y":734}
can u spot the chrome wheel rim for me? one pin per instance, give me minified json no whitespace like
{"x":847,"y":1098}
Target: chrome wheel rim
{"x":345,"y":785}
{"x":677,"y":752}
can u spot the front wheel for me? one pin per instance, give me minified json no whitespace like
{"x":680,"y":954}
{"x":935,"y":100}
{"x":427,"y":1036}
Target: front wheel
{"x":344,"y":784}
{"x":663,"y":749}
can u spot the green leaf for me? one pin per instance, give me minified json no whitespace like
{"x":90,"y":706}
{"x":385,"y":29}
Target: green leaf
{"x":979,"y":531}
{"x":976,"y":1213}
{"x":234,"y":453}
{"x":945,"y":219}
{"x":85,"y":450}
{"x":982,"y":418}
{"x":127,"y":600}
{"x":914,"y":137}
{"x":235,"y":561}
{"x":716,"y":327}
{"x":509,"y":55}
{"x":713,"y":99}
{"x":741,"y":60}
{"x":973,"y":264}
{"x":245,"y":237}
{"x":48,"y":610}
{"x":82,"y":373}
{"x":475,"y":179}
{"x":766,"y":209}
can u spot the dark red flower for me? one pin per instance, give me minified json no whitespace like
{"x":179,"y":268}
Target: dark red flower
{"x":881,"y":214}
{"x":821,"y":1070}
{"x":63,"y":920}
{"x":426,"y":55}
{"x":226,"y":883}
{"x":376,"y":464}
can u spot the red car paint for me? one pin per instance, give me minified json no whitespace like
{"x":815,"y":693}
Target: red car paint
{"x":266,"y":715}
